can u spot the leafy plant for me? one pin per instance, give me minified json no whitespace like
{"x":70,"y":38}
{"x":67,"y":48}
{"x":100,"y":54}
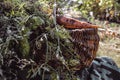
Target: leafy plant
{"x":32,"y":41}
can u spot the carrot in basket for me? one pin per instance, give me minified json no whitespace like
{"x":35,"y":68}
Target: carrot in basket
{"x":73,"y":23}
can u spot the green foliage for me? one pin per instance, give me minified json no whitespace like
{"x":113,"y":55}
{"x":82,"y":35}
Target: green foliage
{"x":24,"y":47}
{"x":28,"y":28}
{"x":34,"y":22}
{"x":101,"y":9}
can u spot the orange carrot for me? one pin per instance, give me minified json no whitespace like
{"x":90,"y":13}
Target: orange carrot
{"x":73,"y":23}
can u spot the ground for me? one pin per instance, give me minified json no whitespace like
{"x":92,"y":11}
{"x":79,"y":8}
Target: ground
{"x":109,"y":41}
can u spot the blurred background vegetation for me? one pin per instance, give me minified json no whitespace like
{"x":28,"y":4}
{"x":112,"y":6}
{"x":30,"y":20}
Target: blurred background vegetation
{"x":30,"y":39}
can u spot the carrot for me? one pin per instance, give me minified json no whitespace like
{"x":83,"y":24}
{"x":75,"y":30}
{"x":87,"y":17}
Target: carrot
{"x":73,"y":23}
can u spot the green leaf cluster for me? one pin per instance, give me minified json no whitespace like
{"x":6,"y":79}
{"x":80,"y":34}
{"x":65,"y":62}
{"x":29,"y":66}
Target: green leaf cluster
{"x":27,"y":29}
